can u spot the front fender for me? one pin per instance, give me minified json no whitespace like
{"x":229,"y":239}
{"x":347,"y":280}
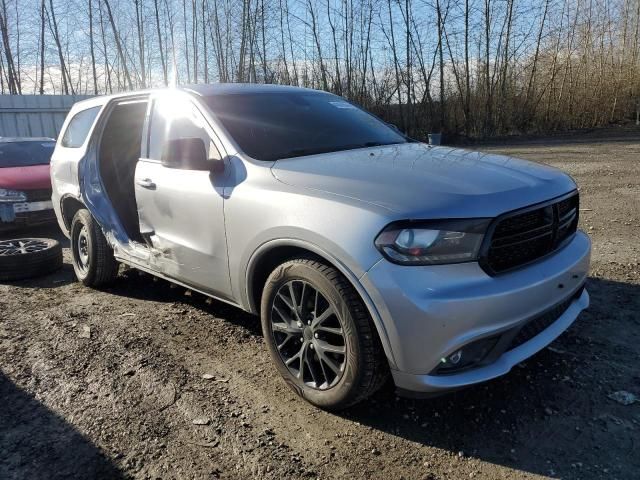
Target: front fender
{"x":269,"y":246}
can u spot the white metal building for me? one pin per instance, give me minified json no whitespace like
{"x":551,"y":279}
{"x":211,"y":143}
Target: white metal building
{"x":34,"y":115}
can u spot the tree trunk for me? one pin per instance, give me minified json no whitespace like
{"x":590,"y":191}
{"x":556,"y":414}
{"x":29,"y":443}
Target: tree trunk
{"x":116,"y":36}
{"x":140,"y":27}
{"x":91,"y":49}
{"x":12,"y":77}
{"x":42,"y":50}
{"x":162,"y":60}
{"x":53,"y":25}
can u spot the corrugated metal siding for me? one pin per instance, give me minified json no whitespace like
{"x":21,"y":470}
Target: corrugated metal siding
{"x":34,"y":115}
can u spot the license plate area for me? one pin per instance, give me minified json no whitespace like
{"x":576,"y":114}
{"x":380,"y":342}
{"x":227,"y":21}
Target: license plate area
{"x":32,"y":206}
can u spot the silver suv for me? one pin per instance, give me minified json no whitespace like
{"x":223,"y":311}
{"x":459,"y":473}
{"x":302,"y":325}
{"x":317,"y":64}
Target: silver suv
{"x":364,"y":252}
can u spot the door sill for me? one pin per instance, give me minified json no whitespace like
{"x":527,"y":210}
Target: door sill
{"x":130,"y":262}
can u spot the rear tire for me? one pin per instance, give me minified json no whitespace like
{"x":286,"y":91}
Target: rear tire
{"x":93,"y":260}
{"x":29,"y":257}
{"x":344,"y":360}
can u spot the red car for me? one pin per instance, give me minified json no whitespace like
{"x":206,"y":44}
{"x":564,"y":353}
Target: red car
{"x":25,"y":183}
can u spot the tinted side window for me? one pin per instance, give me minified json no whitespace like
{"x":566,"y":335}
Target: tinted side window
{"x":78,"y":128}
{"x":170,"y":122}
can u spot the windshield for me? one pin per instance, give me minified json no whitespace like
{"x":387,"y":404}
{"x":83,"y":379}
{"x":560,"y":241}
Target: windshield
{"x":271,"y":126}
{"x":24,"y":154}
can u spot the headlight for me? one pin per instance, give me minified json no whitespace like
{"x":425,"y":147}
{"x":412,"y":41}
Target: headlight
{"x":12,"y":196}
{"x":432,"y":242}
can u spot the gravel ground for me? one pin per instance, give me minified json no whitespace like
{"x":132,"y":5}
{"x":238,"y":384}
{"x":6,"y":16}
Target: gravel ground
{"x":145,"y":380}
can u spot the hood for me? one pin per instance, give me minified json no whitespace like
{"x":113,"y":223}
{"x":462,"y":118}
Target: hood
{"x":420,"y":181}
{"x":34,"y":177}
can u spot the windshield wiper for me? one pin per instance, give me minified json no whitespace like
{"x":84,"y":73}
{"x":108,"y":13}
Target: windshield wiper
{"x":301,"y":152}
{"x":377,"y":144}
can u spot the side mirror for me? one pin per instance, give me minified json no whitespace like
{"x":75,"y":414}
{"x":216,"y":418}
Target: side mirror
{"x":186,"y":154}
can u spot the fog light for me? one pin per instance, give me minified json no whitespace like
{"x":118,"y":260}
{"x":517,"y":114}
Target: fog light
{"x":467,"y":357}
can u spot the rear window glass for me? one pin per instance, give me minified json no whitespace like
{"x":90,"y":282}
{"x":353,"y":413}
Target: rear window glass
{"x":78,"y":128}
{"x":24,"y":154}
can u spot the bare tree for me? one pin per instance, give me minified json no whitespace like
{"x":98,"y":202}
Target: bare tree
{"x":478,"y":67}
{"x":160,"y":49}
{"x":42,"y":60}
{"x":53,"y":25}
{"x":11,"y":72}
{"x":116,"y":37}
{"x":140,"y":29}
{"x":92,"y":50}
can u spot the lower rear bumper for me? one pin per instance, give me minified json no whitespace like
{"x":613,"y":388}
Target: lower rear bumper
{"x":434,"y":384}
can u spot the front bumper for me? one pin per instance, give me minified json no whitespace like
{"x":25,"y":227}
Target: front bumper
{"x":430,"y":312}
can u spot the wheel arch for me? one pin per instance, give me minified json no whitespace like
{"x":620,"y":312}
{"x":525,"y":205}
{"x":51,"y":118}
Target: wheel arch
{"x":271,"y":254}
{"x":69,"y":206}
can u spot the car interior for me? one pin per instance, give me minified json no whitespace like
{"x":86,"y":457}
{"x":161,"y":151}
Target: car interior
{"x":118,"y":154}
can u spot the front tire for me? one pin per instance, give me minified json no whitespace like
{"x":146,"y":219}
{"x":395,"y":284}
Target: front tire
{"x":320,"y":336}
{"x":93,"y":260}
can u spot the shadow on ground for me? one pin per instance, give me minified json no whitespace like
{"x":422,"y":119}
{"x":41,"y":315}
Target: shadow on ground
{"x":142,"y":286}
{"x":550,"y":415}
{"x":36,"y":443}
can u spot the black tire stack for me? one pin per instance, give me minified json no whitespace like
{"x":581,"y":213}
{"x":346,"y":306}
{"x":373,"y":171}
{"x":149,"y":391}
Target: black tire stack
{"x":28,"y":257}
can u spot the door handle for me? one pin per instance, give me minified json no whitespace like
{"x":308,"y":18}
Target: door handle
{"x":146,"y":183}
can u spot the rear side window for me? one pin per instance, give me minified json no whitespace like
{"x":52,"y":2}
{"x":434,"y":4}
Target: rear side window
{"x":78,"y":128}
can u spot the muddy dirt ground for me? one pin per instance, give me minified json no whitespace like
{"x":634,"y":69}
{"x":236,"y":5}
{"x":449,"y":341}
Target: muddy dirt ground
{"x":107,"y":384}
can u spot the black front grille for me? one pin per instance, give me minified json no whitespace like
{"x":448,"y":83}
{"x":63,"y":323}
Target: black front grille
{"x":542,"y":322}
{"x":41,"y":195}
{"x":516,"y":239}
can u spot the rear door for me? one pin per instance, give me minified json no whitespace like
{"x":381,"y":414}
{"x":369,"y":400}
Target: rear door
{"x":181,"y":211}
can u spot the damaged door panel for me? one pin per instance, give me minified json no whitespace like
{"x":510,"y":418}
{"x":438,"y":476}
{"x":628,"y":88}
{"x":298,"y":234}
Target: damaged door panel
{"x":180,"y":205}
{"x":105,"y":173}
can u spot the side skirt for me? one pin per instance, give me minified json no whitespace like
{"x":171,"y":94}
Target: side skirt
{"x":127,"y":261}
